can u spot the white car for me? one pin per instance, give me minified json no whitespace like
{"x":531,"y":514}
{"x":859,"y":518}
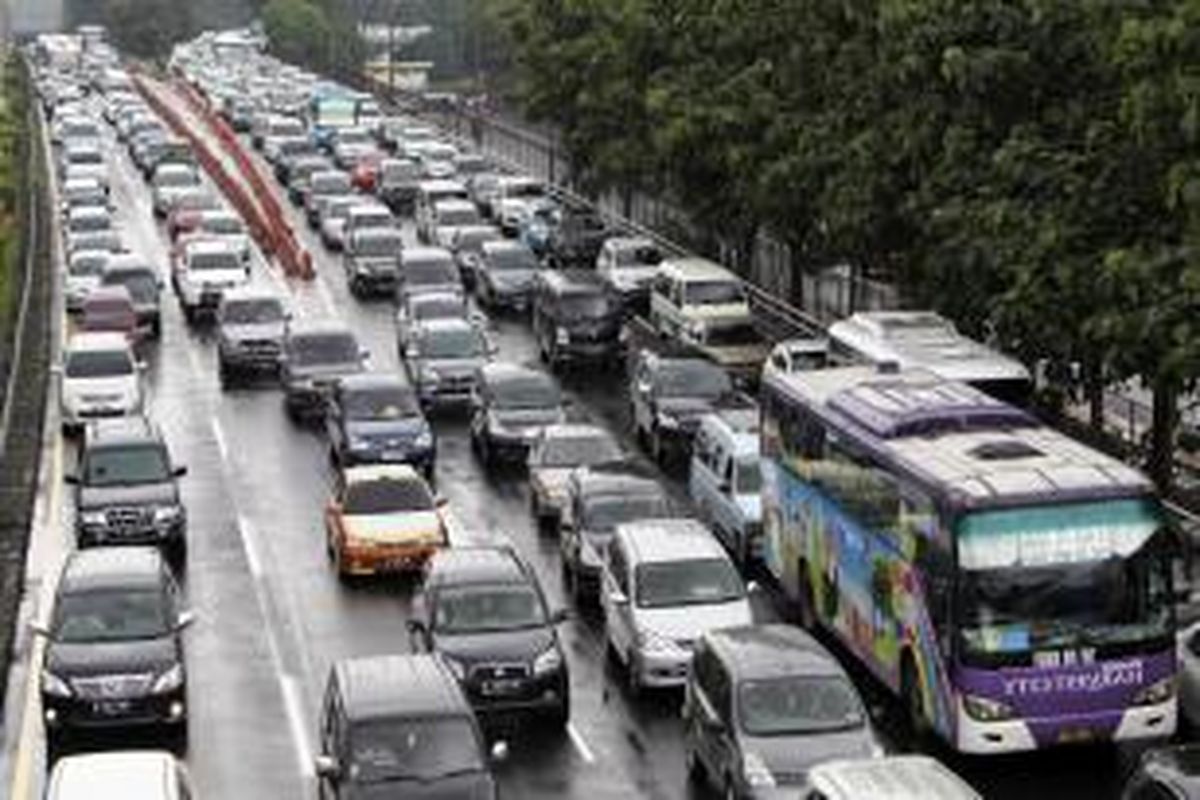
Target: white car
{"x":99,"y":377}
{"x":664,"y":583}
{"x":144,"y":774}
{"x":170,"y":181}
{"x":82,"y":274}
{"x":629,"y":264}
{"x":206,"y":269}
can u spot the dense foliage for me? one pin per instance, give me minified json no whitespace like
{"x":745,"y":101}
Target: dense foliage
{"x":1026,"y":166}
{"x":319,"y":34}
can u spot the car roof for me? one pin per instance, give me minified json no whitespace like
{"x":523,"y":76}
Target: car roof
{"x":116,"y":431}
{"x":439,"y":324}
{"x":574,"y":430}
{"x":209,"y":244}
{"x":380,"y":472}
{"x":453,"y":203}
{"x":504,"y":245}
{"x":111,"y":567}
{"x":461,"y":566}
{"x":374,"y":380}
{"x":402,"y":685}
{"x":317,"y":327}
{"x":692,"y":268}
{"x":907,"y":777}
{"x":657,"y":540}
{"x":128,"y":774}
{"x":97,"y":341}
{"x":426,"y":254}
{"x":248,"y":293}
{"x":108,"y":293}
{"x":772,"y":651}
{"x":623,"y":478}
{"x":500,"y":371}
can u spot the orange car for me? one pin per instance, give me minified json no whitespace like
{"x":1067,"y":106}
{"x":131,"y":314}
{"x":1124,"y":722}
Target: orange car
{"x":383,"y":518}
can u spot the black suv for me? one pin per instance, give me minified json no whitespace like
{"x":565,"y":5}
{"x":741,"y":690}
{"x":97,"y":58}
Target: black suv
{"x":399,"y":726}
{"x":576,"y":317}
{"x":669,"y":394}
{"x":250,"y":328}
{"x":598,"y":499}
{"x":375,"y":418}
{"x":114,"y":653}
{"x":509,"y":406}
{"x":127,"y":489}
{"x":371,"y":258}
{"x":315,"y":356}
{"x":484,"y":612}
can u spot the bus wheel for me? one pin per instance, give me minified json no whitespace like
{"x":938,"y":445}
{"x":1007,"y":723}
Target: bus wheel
{"x":910,"y":696}
{"x":806,"y":607}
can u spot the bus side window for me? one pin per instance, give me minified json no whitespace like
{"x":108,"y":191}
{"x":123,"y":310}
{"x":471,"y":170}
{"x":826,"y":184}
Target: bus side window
{"x":866,"y":492}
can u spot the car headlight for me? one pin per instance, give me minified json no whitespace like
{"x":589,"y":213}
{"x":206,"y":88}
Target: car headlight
{"x":755,"y":771}
{"x":984,"y":709}
{"x":457,"y":668}
{"x":164,"y":514}
{"x":54,"y":685}
{"x":424,"y":440}
{"x":696,"y":331}
{"x":667,"y":421}
{"x":169,"y":681}
{"x":430,"y":377}
{"x":358,"y":443}
{"x":549,"y":661}
{"x":93,"y":518}
{"x":1158,"y":692}
{"x":562,"y":336}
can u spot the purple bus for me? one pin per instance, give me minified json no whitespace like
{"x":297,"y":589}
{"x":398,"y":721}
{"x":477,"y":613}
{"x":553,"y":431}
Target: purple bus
{"x":1012,"y":586}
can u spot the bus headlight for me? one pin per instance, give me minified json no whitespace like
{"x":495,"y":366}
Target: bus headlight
{"x":984,"y":709}
{"x":1158,"y":692}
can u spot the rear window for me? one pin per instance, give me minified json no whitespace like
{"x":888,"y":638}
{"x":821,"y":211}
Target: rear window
{"x":98,"y":364}
{"x":387,"y":496}
{"x":333,"y":348}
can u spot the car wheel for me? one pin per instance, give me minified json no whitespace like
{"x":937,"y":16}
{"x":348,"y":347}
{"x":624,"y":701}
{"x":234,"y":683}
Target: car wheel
{"x":806,"y":604}
{"x":633,"y":678}
{"x":177,"y":552}
{"x":730,"y":792}
{"x":695,"y":768}
{"x":560,"y":716}
{"x":656,"y":448}
{"x":225,"y":375}
{"x":180,"y":740}
{"x":911,"y":697}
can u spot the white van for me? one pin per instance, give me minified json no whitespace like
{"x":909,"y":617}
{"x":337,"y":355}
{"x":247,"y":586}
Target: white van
{"x":691,"y":297}
{"x":99,"y":377}
{"x":141,"y":774}
{"x":664,"y":583}
{"x":429,"y":194}
{"x":907,"y":777}
{"x":724,"y":480}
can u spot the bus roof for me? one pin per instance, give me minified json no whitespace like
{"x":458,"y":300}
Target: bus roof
{"x":913,"y":339}
{"x":967,"y":447}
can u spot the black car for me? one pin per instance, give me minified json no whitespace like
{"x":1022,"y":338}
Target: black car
{"x":127,"y":489}
{"x":399,"y":726}
{"x":375,"y":418}
{"x":576,"y":239}
{"x":504,"y":276}
{"x":315,"y":356}
{"x":669,"y":394}
{"x":250,"y":328}
{"x":483,"y":611}
{"x":509,"y":406}
{"x":371,"y":258}
{"x":576,"y":318}
{"x":598,"y":499}
{"x":114,"y":653}
{"x":1167,"y":773}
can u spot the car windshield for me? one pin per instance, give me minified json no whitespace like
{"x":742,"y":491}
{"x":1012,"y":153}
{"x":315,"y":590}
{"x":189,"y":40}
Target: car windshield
{"x":452,"y":343}
{"x":142,"y":286}
{"x":331,"y":184}
{"x":126,"y":466}
{"x":749,"y":478}
{"x":111,"y":615}
{"x":353,"y":137}
{"x":798,"y":705}
{"x":420,"y":750}
{"x":81,"y":223}
{"x":734,"y":336}
{"x":85,"y":157}
{"x":1080,"y":575}
{"x":224,"y":259}
{"x":430,"y":273}
{"x":373,"y":219}
{"x":586,"y":306}
{"x":713,"y":292}
{"x":512,"y":258}
{"x":488,"y":608}
{"x":457,"y":216}
{"x":526,"y":392}
{"x":87,"y":265}
{"x":604,"y":513}
{"x":638,"y":256}
{"x":396,"y":173}
{"x":252,"y":312}
{"x":438,"y":307}
{"x":696,"y":581}
{"x":693,"y":379}
{"x":175,"y":177}
{"x":222,"y":225}
{"x":380,"y":403}
{"x":387,"y":496}
{"x":98,"y":364}
{"x":329,"y":348}
{"x":576,"y":451}
{"x":378,"y":244}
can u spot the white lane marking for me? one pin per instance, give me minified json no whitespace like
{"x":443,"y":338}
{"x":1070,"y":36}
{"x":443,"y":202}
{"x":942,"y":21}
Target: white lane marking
{"x":219,"y":436}
{"x":326,"y":296}
{"x":580,"y":744}
{"x":244,"y":531}
{"x":291,"y":700}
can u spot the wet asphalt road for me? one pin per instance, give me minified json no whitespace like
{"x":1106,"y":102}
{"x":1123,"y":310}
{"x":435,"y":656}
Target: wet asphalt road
{"x":273,"y":617}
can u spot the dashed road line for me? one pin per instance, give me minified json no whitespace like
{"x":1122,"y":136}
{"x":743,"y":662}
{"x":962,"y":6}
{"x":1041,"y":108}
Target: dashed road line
{"x":581,"y":745}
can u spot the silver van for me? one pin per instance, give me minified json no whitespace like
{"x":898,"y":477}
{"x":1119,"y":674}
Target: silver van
{"x":724,"y":480}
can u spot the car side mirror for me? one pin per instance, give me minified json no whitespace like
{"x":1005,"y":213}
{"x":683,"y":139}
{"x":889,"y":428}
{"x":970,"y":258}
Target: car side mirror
{"x":618,"y":598}
{"x":441,"y":501}
{"x":560,"y":616}
{"x":180,"y":471}
{"x":71,"y":479}
{"x":724,"y":487}
{"x":499,"y":751}
{"x":753,"y":587}
{"x":416,"y":627}
{"x":326,"y":766}
{"x":185,"y":620}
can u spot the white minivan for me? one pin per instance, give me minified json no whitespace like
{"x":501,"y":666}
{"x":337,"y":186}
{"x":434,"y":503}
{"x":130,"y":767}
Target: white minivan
{"x":664,"y":583}
{"x":141,"y":774}
{"x":691,"y":297}
{"x":724,"y":480}
{"x":99,"y":377}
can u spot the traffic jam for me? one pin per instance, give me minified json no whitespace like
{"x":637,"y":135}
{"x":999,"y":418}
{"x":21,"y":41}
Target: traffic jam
{"x":507,"y":498}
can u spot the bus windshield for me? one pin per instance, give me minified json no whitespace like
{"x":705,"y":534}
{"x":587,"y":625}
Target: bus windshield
{"x":1090,"y":574}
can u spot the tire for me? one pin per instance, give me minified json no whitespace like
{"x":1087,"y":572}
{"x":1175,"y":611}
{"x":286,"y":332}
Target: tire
{"x":225,"y":375}
{"x":561,"y":716}
{"x":633,"y":681}
{"x":695,"y":767}
{"x":806,"y":604}
{"x":730,"y":792}
{"x":177,"y":552}
{"x":912,"y":700}
{"x":179,"y":740}
{"x":656,"y":448}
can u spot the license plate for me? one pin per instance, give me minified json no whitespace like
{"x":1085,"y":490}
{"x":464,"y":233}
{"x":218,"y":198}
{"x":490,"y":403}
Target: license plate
{"x":112,"y":708}
{"x":501,"y":687}
{"x":1076,"y":735}
{"x":394,"y":455}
